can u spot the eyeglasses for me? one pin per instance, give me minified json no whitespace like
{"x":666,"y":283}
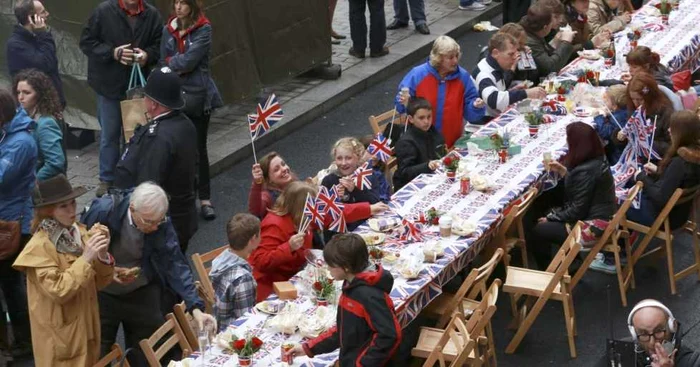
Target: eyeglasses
{"x":149,"y":223}
{"x":658,"y":335}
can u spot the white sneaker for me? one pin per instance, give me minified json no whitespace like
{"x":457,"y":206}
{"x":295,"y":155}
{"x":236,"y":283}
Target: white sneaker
{"x":484,"y":2}
{"x":602,"y":266}
{"x":476,"y":6}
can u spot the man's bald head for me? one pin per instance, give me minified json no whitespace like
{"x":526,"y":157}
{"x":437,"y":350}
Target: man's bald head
{"x":649,"y":323}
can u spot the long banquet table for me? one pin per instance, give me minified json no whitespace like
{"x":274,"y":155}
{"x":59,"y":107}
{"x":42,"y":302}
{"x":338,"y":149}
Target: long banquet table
{"x":679,"y":46}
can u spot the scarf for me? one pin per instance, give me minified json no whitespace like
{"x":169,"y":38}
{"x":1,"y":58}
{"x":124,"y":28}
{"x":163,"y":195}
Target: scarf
{"x":573,"y":14}
{"x":61,"y":237}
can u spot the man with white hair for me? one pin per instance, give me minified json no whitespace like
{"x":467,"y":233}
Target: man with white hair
{"x":447,"y":86}
{"x":657,"y":336}
{"x":150,"y":268}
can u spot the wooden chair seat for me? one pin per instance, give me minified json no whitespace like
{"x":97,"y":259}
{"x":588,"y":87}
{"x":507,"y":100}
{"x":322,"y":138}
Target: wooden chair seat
{"x":428,"y":340}
{"x":529,"y":282}
{"x":439,"y":306}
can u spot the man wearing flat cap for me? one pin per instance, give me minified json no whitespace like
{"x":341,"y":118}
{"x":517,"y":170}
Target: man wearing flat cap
{"x":164,"y":151}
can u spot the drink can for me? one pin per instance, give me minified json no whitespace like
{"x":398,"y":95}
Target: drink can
{"x":287,"y":358}
{"x":464,"y":185}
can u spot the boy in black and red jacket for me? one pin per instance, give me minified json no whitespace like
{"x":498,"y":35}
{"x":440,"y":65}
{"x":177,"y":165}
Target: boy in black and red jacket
{"x":367,"y":330}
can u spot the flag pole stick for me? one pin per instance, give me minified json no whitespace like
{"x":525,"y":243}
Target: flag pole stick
{"x":252,"y":141}
{"x":613,"y":117}
{"x":391,"y":128}
{"x":651,"y":145}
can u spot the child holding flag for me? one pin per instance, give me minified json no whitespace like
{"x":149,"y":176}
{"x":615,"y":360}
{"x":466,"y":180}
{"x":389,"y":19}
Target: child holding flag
{"x":354,"y":181}
{"x":282,"y":250}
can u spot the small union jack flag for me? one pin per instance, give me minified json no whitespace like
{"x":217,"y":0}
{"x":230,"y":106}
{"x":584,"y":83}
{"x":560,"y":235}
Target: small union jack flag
{"x":338,"y":224}
{"x":380,"y":147}
{"x":265,"y":116}
{"x":410,"y":231}
{"x":311,"y":212}
{"x":361,"y":176}
{"x":328,"y":201}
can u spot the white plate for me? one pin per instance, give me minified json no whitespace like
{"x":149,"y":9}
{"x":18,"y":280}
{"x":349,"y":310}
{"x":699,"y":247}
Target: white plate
{"x":590,"y":54}
{"x":373,"y":239}
{"x":268,"y":308}
{"x":582,"y":112}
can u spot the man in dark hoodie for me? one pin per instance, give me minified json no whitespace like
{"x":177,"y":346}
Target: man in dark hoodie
{"x":419,"y":148}
{"x":367,"y":330}
{"x":118,"y":34}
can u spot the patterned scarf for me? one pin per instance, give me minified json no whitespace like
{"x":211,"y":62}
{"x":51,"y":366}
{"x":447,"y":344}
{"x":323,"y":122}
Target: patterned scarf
{"x":61,"y":237}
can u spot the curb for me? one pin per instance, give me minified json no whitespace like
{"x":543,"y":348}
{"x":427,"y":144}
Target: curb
{"x":326,"y":96}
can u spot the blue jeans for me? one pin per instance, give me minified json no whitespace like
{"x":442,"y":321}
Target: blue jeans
{"x":417,"y":11}
{"x":109,"y":114}
{"x":467,"y":2}
{"x":358,"y":25}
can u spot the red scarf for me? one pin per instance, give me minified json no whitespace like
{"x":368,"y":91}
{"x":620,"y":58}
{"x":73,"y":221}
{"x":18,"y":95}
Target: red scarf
{"x":180,"y":39}
{"x":132,"y":13}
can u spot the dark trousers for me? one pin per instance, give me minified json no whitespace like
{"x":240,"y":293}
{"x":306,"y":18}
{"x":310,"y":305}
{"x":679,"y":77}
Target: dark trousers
{"x":201,"y":123}
{"x":513,"y":10}
{"x":140,"y":314}
{"x":358,"y":25}
{"x":14,"y":289}
{"x":542,"y":238}
{"x":417,"y":7}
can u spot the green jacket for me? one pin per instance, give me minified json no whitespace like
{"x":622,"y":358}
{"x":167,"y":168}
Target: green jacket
{"x":49,"y":140}
{"x":548,"y":59}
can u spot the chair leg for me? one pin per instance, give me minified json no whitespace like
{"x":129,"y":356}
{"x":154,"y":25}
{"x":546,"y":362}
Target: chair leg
{"x":630,"y":262}
{"x":620,"y":281}
{"x":523,"y":254}
{"x":525,"y":325}
{"x":570,"y":327}
{"x":669,"y":264}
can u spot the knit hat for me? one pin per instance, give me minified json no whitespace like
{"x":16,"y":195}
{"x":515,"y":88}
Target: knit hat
{"x":618,"y":94}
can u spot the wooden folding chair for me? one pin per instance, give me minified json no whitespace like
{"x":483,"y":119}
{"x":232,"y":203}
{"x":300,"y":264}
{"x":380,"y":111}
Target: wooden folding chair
{"x":553,"y":283}
{"x":204,"y":286}
{"x":177,"y":337}
{"x":661,"y":229}
{"x":459,"y":342}
{"x":187,"y":324}
{"x":378,"y":123}
{"x":609,"y":242}
{"x":115,"y":355}
{"x":511,"y":232}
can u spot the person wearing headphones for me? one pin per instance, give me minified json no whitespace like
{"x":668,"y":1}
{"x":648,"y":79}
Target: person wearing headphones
{"x":657,"y":336}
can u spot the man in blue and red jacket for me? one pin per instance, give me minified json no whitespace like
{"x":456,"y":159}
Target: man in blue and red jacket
{"x":448,"y":87}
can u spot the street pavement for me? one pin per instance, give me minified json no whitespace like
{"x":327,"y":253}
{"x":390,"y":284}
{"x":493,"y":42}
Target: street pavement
{"x":307,"y":150}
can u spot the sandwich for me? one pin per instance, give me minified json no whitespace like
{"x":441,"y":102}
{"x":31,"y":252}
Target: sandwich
{"x":98,"y":228}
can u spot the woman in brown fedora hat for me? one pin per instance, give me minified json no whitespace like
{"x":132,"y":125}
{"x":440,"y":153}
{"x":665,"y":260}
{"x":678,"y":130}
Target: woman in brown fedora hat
{"x":65,"y":266}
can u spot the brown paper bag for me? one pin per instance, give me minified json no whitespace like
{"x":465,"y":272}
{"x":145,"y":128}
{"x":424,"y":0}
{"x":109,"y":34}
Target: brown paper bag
{"x":133,"y":114}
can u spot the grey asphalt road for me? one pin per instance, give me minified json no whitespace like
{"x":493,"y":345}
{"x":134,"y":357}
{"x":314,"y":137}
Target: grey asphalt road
{"x":307,"y":150}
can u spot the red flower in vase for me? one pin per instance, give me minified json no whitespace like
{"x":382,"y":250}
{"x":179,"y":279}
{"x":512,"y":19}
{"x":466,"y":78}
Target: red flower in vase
{"x":257,"y":343}
{"x":318,"y":286}
{"x":590,"y":75}
{"x":239,"y":344}
{"x":447,"y":161}
{"x":610,"y":53}
{"x":561,"y":90}
{"x":637,"y":34}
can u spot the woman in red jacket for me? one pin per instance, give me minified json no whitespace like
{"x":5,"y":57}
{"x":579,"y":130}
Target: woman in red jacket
{"x":270,"y":176}
{"x":282,"y":251}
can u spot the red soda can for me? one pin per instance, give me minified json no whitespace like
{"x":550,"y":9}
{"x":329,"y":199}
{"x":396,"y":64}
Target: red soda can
{"x":287,"y":358}
{"x":464,"y":185}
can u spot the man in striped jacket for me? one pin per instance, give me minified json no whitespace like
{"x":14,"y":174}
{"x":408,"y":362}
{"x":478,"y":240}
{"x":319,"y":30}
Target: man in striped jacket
{"x":494,"y":76}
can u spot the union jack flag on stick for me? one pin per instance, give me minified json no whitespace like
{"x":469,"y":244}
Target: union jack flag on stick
{"x":328,"y":203}
{"x":380,"y":147}
{"x":311,"y":215}
{"x":361,"y":177}
{"x":264,"y":118}
{"x":410,"y":231}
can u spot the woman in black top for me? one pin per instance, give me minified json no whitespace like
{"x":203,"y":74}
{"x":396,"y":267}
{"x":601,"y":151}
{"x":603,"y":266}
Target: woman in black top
{"x":588,"y":193}
{"x":680,"y":168}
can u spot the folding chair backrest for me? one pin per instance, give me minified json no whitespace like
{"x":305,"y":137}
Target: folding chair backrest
{"x":515,"y":215}
{"x":154,"y":348}
{"x":378,"y":123}
{"x":565,"y":256}
{"x":457,"y":333}
{"x":186,"y":321}
{"x":113,"y":356}
{"x":613,"y":225}
{"x":202,"y":264}
{"x":486,"y":308}
{"x":472,"y":286}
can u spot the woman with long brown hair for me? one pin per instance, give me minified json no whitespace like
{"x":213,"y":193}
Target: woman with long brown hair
{"x":271,"y":175}
{"x":646,"y":99}
{"x":680,"y":168}
{"x":39,"y":98}
{"x":65,"y":265}
{"x":282,"y":249}
{"x":588,"y":193}
{"x":643,"y":60}
{"x":185,"y":48}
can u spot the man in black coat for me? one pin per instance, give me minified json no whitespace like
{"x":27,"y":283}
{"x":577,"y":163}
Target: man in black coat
{"x":117,"y":34}
{"x":31,"y":45}
{"x":165,"y":151}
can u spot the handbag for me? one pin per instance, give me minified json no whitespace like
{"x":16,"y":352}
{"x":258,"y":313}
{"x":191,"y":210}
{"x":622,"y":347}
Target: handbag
{"x":194,"y":103}
{"x":10,"y":233}
{"x":134,"y":108}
